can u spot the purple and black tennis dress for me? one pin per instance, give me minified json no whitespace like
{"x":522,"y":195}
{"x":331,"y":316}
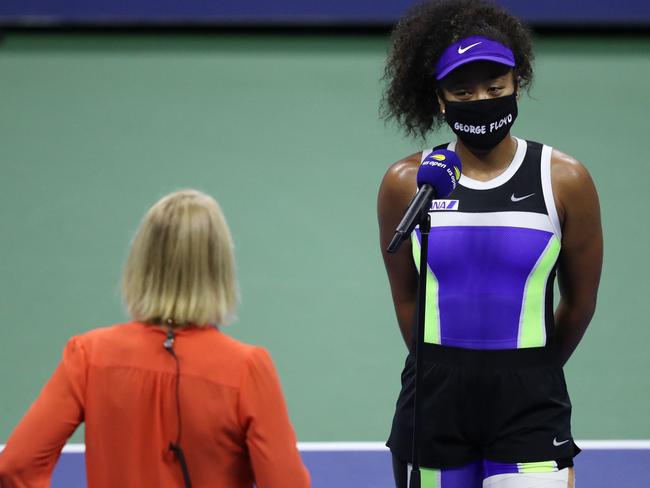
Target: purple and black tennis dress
{"x":492,"y":391}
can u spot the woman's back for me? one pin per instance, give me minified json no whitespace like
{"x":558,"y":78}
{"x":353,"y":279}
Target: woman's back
{"x":121,"y":381}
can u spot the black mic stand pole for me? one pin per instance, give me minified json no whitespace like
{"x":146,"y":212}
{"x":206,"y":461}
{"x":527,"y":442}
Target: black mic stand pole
{"x":425,"y":227}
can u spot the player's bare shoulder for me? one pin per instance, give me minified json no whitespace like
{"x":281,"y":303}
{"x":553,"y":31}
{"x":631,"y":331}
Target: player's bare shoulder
{"x":567,"y":169}
{"x":399,"y":182}
{"x":405,"y":168}
{"x":571,"y":182}
{"x":395,"y":192}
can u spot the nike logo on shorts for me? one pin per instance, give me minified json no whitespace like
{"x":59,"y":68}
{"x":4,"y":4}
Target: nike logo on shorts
{"x":556,"y":443}
{"x":519,"y":199}
{"x":462,"y":50}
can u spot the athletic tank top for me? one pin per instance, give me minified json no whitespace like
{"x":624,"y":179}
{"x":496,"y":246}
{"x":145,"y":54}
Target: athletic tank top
{"x":493,"y":249}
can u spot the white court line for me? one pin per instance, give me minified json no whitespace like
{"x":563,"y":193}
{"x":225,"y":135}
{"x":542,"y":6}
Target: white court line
{"x":379,"y":446}
{"x":342,"y":446}
{"x":622,"y":444}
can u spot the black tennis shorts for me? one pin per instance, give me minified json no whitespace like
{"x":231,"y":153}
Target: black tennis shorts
{"x":508,"y":406}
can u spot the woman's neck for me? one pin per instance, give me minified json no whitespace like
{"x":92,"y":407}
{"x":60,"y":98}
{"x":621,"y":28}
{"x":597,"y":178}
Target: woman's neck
{"x":486,"y":165}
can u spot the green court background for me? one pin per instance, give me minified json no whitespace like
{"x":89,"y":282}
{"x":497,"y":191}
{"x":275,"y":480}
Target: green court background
{"x":284,"y":132}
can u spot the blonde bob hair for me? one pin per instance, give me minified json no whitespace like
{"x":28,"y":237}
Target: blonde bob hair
{"x":181,"y":267}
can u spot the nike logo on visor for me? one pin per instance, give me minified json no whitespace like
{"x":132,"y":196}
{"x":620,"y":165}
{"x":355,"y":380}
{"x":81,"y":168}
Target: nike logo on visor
{"x":556,"y":443}
{"x":462,"y":50}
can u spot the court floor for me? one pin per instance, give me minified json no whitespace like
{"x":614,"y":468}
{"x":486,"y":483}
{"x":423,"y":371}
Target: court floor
{"x":602,"y":464}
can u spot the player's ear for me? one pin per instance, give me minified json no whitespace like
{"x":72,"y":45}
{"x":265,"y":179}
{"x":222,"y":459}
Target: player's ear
{"x":441,"y":102}
{"x":517,"y":80}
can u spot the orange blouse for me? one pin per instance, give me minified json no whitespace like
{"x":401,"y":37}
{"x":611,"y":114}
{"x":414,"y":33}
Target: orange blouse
{"x":121,"y":382}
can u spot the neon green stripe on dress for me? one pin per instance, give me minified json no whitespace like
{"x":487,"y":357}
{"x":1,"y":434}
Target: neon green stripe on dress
{"x":432,"y":312}
{"x":540,"y":467}
{"x":532,"y":326}
{"x":429,"y":478}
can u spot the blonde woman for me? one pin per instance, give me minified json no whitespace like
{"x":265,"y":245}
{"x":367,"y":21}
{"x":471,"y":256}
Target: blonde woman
{"x":168,"y":400}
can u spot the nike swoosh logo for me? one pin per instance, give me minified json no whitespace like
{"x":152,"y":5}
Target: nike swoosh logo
{"x":519,"y":199}
{"x":556,"y":443}
{"x":462,"y":50}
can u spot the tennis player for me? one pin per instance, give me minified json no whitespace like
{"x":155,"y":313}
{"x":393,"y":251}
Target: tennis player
{"x":496,"y":412}
{"x":168,"y":400}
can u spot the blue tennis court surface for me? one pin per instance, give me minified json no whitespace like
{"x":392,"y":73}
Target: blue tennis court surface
{"x":602,"y":464}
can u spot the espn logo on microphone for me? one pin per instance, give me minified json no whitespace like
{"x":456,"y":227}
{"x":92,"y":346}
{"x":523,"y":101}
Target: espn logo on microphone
{"x":438,"y":205}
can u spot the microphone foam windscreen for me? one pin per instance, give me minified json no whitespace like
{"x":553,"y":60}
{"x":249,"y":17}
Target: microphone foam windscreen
{"x":440,"y":169}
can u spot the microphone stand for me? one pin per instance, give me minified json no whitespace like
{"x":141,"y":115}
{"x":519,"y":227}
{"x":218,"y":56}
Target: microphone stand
{"x":425,"y":227}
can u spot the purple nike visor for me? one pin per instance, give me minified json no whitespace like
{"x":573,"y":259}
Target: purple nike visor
{"x":473,"y":48}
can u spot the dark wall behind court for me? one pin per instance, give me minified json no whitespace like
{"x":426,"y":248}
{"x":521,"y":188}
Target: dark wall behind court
{"x":284,"y":132}
{"x":301,"y":12}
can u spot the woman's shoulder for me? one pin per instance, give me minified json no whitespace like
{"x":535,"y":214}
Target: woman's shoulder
{"x":93,"y":342}
{"x":98,"y":333}
{"x":114,"y":332}
{"x":213,"y":349}
{"x":242,"y":349}
{"x":227,"y":360}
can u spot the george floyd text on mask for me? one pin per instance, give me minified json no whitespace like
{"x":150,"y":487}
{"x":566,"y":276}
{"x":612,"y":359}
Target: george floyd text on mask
{"x":482,"y":124}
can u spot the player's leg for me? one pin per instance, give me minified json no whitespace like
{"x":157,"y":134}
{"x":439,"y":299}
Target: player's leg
{"x":468,"y":476}
{"x":527,"y":475}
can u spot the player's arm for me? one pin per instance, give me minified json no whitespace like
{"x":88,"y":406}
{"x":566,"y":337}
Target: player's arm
{"x":580,"y":260}
{"x":395,"y":193}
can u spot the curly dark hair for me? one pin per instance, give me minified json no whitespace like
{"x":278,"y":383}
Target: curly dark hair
{"x":418,"y":41}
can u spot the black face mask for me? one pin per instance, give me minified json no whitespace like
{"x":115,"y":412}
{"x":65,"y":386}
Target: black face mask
{"x":482,"y":124}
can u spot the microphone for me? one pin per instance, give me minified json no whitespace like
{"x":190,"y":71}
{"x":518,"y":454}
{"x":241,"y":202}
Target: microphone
{"x":169,"y":342}
{"x":437,"y":177}
{"x":175,"y":447}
